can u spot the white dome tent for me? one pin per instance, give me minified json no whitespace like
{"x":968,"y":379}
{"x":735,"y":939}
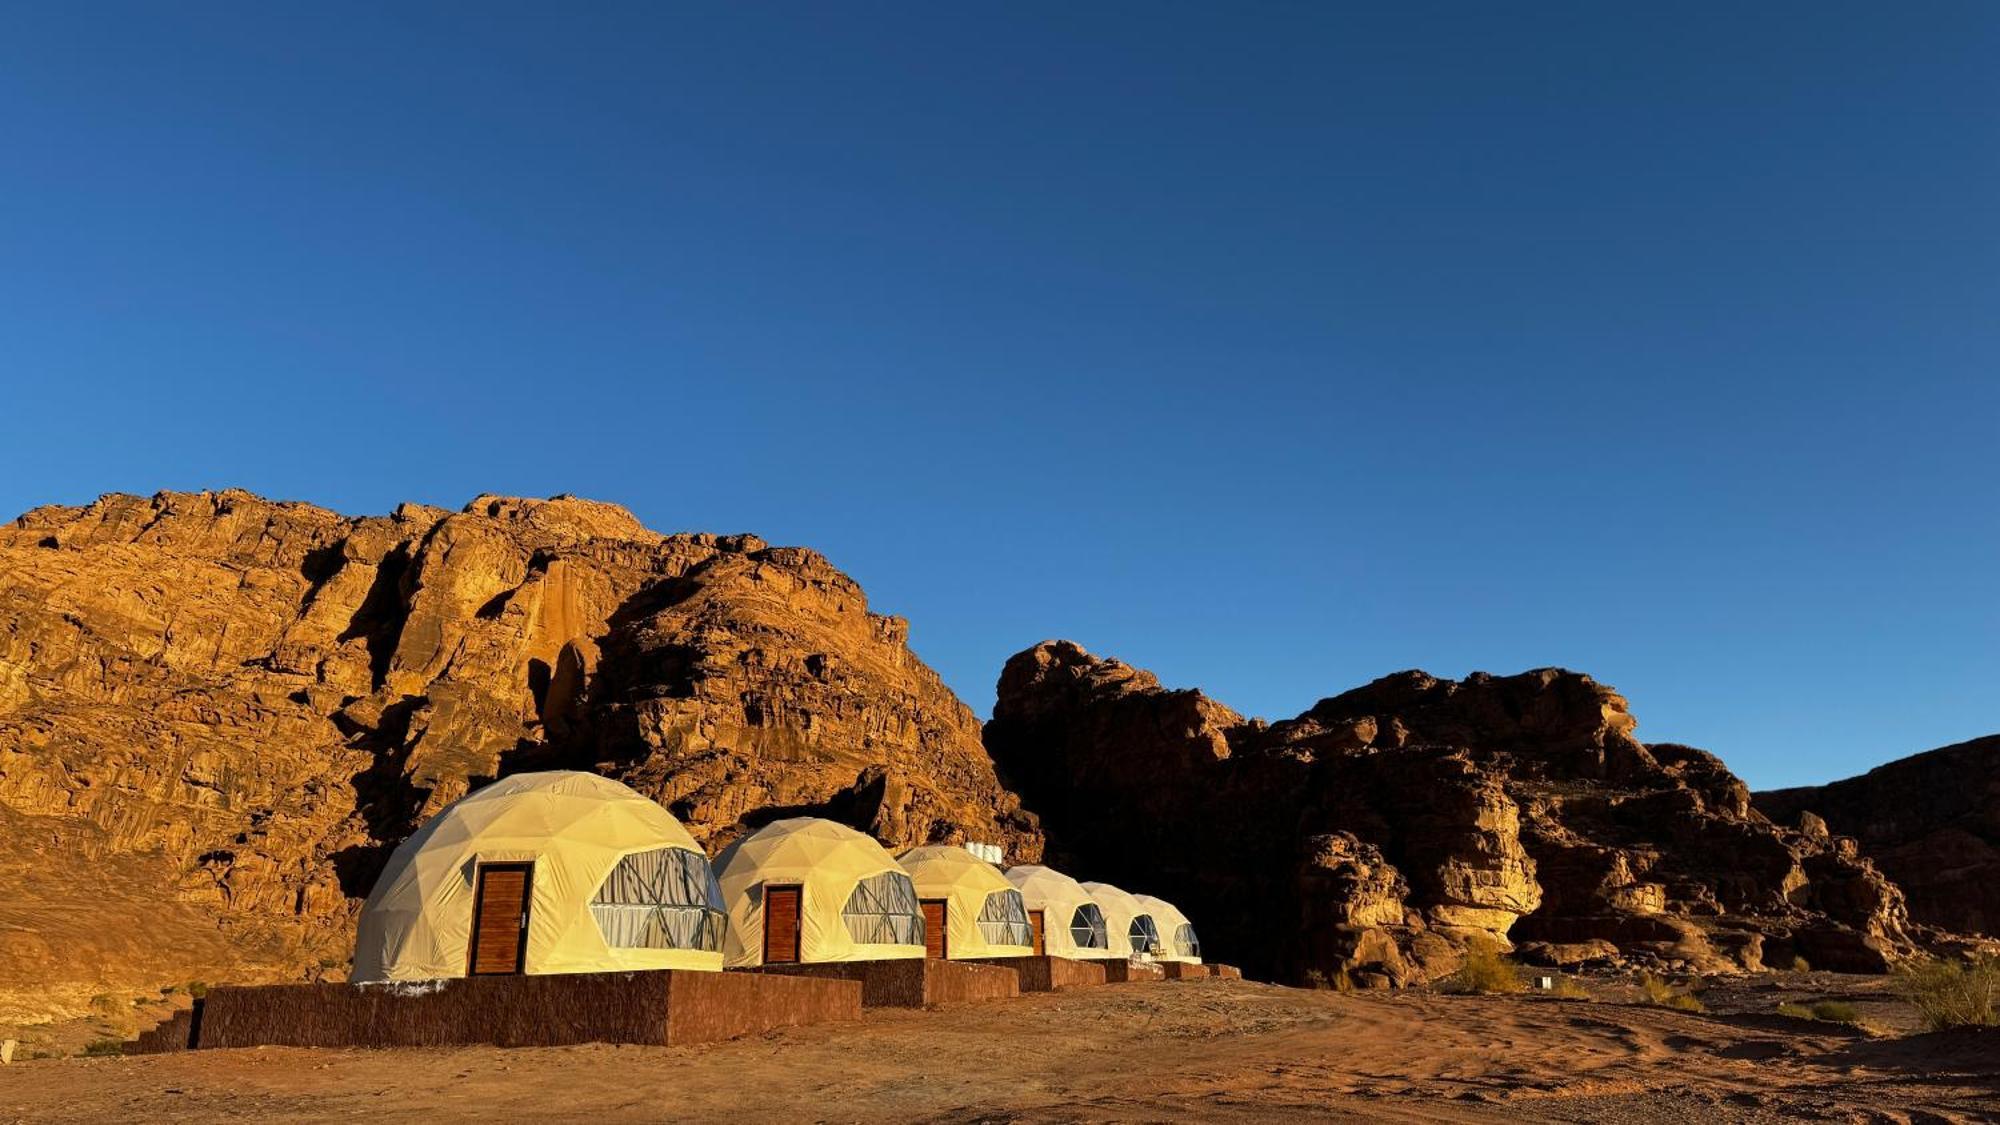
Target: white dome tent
{"x":970,"y":909}
{"x":1066,"y":921}
{"x":1177,"y":938}
{"x":811,"y":890}
{"x":1127,"y":919}
{"x":558,"y":872}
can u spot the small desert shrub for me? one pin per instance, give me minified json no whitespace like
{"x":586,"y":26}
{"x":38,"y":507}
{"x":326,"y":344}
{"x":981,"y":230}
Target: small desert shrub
{"x":1950,"y":993}
{"x":1335,"y":981}
{"x":197,"y":989}
{"x":1659,"y":993}
{"x":102,"y":1048}
{"x":1485,"y":970}
{"x":1830,"y":1011}
{"x":1799,"y":965}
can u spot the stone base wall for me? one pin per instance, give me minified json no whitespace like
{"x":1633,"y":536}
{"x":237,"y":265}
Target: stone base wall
{"x":1118,"y":971}
{"x":1050,"y":974}
{"x":909,"y":983}
{"x":663,"y":1007}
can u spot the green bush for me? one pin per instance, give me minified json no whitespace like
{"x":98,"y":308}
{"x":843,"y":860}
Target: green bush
{"x":1949,"y":993}
{"x":1485,"y":970}
{"x":1799,"y":965}
{"x":1796,"y":1011}
{"x":103,"y":1048}
{"x":197,"y":989}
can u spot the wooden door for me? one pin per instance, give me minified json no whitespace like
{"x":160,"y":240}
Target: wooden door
{"x":934,"y":940}
{"x":781,"y":924}
{"x":1035,"y":920}
{"x":500,"y":918}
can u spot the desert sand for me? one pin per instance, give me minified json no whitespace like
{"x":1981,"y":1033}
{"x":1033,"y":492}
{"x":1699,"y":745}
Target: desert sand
{"x":1200,"y":1050}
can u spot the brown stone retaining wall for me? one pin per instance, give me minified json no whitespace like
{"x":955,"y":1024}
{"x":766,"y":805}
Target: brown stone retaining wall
{"x":1048,"y":974}
{"x":665,"y":1007}
{"x":1181,"y":970}
{"x":1119,"y":971}
{"x":1226,"y":972}
{"x":910,"y":982}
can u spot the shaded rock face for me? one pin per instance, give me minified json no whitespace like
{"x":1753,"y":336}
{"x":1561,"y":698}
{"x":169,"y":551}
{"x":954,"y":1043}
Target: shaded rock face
{"x":240,"y":706}
{"x":1388,"y":828}
{"x":1931,"y":821}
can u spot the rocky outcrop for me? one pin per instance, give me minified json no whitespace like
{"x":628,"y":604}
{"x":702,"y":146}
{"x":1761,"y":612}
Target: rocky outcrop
{"x":1931,"y":821}
{"x":1388,"y":828}
{"x":218,"y":713}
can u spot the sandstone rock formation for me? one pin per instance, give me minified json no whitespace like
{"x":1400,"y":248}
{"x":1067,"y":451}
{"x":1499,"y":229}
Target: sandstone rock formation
{"x":1931,"y":821}
{"x":1388,"y":828}
{"x":218,"y":713}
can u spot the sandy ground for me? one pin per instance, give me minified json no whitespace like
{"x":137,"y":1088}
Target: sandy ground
{"x":1194,"y":1050}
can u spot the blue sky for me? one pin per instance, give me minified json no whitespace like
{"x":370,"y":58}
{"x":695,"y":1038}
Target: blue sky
{"x":1271,"y":347}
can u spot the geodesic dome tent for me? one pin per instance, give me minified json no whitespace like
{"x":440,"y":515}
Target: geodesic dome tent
{"x":558,"y":872}
{"x":1177,"y":940}
{"x":970,"y":909}
{"x":1070,"y":921}
{"x":807,"y":889}
{"x":1126,"y":916}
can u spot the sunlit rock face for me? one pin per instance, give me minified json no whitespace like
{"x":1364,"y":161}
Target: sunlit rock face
{"x":238,"y":706}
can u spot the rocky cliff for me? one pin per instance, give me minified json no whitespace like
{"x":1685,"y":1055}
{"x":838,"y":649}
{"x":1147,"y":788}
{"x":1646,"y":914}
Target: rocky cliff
{"x":1388,"y":828}
{"x":218,"y":713}
{"x":1932,"y":821}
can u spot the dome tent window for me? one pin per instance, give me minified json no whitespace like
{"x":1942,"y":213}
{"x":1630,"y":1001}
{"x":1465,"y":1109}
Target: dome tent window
{"x":1185,"y":943}
{"x":1086,"y":927}
{"x":883,"y":911}
{"x":1003,"y":920}
{"x":1144,"y":935}
{"x":662,"y":899}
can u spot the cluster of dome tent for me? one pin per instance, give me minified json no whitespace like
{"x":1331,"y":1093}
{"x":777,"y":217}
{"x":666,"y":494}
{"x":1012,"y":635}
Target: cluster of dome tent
{"x":566,"y":872}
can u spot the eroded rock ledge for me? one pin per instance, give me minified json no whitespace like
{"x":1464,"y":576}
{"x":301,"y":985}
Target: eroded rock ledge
{"x":1387,"y":828}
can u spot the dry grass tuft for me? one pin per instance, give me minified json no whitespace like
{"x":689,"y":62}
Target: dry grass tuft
{"x":1569,"y":988}
{"x":1826,"y":1011}
{"x":1658,"y":992}
{"x":1948,"y":993}
{"x":1335,"y":981}
{"x":1485,"y":970}
{"x":1799,"y":965}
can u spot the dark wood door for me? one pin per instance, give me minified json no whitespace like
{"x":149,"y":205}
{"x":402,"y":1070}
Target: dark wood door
{"x":500,"y":918}
{"x":781,"y":924}
{"x":1035,"y":920}
{"x":934,"y":943}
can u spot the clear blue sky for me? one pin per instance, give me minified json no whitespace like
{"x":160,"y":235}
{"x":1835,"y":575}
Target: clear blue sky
{"x":1272,"y":347}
